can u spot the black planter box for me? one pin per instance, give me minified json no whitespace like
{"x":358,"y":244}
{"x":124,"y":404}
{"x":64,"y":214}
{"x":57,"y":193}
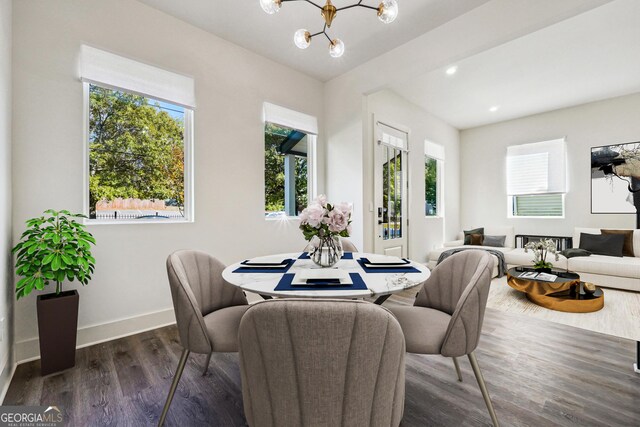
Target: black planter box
{"x":57,"y":328}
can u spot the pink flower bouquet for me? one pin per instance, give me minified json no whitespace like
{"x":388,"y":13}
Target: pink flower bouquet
{"x":324,"y":220}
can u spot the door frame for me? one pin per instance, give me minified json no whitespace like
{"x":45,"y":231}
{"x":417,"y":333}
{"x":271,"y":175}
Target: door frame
{"x":377,"y":119}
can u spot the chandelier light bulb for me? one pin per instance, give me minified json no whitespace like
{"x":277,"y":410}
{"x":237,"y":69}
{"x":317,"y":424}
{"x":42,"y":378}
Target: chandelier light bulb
{"x":271,"y":6}
{"x":302,"y":38}
{"x":388,"y":11}
{"x":336,"y":48}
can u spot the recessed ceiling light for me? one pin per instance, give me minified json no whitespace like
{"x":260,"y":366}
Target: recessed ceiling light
{"x":452,"y":70}
{"x":494,"y":108}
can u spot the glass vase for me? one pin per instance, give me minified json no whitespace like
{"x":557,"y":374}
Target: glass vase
{"x":327,"y":251}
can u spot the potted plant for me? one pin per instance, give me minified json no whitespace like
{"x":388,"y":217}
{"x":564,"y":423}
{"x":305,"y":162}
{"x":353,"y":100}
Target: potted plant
{"x":325,"y":224}
{"x":55,"y":248}
{"x":541,"y":249}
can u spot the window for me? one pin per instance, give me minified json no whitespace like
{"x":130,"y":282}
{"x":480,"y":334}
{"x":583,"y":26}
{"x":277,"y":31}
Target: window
{"x":136,"y":157}
{"x":139,"y":140}
{"x":433,"y":169}
{"x":540,"y":205}
{"x":536,"y":179}
{"x":289,"y":142}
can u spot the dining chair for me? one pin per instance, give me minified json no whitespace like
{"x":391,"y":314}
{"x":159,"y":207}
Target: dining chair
{"x":306,"y":362}
{"x":447,"y":315}
{"x":207,"y":308}
{"x":347,"y":245}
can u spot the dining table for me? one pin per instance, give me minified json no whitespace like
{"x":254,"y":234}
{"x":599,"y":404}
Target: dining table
{"x":283,"y":275}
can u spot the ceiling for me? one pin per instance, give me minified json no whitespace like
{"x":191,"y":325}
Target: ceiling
{"x":589,"y":57}
{"x":244,"y":23}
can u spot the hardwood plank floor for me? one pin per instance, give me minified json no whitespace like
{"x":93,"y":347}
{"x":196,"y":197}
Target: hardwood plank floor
{"x":538,"y":373}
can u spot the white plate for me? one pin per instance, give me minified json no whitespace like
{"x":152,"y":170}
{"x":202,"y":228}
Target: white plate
{"x":264,"y":267}
{"x":301,"y":277}
{"x":385,"y":260}
{"x":387,"y":266}
{"x":279,"y":260}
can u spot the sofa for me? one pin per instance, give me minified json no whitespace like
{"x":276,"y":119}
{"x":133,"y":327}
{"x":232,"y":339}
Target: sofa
{"x":608,"y":271}
{"x":492,"y":231}
{"x":604,"y":271}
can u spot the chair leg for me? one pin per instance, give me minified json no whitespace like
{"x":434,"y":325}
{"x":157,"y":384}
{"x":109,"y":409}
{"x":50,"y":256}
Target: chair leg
{"x":174,"y":385}
{"x":206,"y":364}
{"x":457,"y":365}
{"x":483,"y":388}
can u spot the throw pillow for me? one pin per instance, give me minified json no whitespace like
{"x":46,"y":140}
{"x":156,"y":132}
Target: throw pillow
{"x":496,"y":241}
{"x":602,"y":244}
{"x":574,"y":252}
{"x":468,"y":233}
{"x":627,"y":248}
{"x":476,"y":239}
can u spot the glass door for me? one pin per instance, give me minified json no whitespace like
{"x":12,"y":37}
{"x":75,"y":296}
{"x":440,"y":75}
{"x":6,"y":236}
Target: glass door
{"x":390,"y":191}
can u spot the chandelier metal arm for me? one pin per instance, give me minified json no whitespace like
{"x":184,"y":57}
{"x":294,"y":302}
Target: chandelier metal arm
{"x":324,"y":31}
{"x":308,"y":1}
{"x":359,"y":4}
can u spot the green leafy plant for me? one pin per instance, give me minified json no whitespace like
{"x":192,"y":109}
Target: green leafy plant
{"x":54,"y":248}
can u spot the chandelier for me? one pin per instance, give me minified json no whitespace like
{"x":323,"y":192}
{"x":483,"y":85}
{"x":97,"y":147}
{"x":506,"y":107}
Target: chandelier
{"x":387,"y":13}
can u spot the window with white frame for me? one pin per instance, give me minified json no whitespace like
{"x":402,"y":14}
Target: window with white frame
{"x":289,"y":173}
{"x":139,"y":134}
{"x":537,"y":179}
{"x":433,"y":179}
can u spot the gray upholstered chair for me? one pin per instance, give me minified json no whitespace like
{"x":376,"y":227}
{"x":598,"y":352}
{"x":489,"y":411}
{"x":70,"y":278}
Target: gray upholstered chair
{"x":347,"y":245}
{"x":448,"y":312}
{"x":321,"y":363}
{"x":208,"y":309}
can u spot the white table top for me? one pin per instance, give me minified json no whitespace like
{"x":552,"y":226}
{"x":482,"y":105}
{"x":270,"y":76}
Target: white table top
{"x":378,"y":284}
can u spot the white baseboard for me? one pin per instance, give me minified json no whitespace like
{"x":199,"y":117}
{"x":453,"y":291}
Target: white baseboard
{"x":6,"y":375}
{"x":28,"y":350}
{"x":636,"y":368}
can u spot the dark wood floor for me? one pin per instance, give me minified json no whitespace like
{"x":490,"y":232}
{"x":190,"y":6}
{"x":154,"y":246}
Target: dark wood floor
{"x":538,"y":373}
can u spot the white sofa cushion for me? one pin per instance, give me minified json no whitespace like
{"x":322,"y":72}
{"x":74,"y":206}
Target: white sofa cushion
{"x":453,"y":243}
{"x":519,"y":257}
{"x":578,"y":230}
{"x":607,"y":265}
{"x":509,"y":241}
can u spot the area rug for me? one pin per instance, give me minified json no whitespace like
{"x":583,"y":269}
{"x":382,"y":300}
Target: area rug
{"x":620,"y":316}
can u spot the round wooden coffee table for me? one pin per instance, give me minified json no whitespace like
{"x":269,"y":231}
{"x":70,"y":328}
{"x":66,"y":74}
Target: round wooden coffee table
{"x":565,"y":293}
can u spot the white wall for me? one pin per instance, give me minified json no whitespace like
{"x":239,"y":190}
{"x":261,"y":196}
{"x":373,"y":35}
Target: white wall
{"x":6,"y":274}
{"x":231,"y":85}
{"x":483,"y":164}
{"x":489,"y":25}
{"x":425,"y":233}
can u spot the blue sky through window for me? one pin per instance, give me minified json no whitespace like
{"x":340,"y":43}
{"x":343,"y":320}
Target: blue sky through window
{"x":173,"y":110}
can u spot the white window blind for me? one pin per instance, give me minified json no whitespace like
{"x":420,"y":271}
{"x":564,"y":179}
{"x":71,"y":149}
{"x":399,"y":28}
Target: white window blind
{"x":538,"y":168}
{"x":289,"y":118}
{"x":117,"y":72}
{"x":392,"y":137}
{"x":433,"y":150}
{"x":539,"y":205}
